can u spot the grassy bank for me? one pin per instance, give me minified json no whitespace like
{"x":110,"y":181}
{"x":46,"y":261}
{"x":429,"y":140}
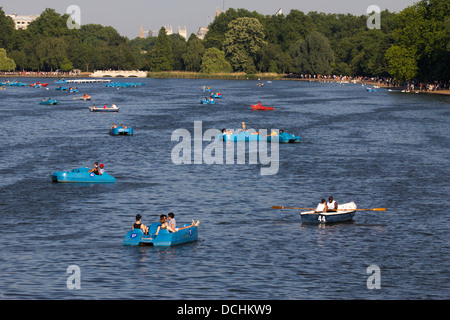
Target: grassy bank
{"x":222,"y":76}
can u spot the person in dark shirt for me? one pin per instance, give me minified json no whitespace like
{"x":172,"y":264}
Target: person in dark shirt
{"x":139,"y":225}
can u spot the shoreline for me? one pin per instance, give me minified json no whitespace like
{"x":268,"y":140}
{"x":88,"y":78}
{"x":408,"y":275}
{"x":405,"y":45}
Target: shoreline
{"x":231,"y":76}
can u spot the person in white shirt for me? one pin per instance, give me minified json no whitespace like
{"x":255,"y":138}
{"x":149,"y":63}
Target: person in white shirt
{"x":331,"y":204}
{"x":101,"y":170}
{"x":322,"y":206}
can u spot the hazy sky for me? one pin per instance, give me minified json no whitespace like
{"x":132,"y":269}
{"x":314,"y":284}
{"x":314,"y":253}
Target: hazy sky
{"x":126,"y":15}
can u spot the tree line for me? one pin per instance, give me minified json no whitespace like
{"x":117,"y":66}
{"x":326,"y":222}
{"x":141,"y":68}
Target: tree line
{"x":411,"y":44}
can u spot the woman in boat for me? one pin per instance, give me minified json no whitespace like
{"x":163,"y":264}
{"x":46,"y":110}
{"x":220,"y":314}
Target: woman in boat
{"x":173,"y":224}
{"x":164,"y":224}
{"x":95,"y":168}
{"x":322,"y":206}
{"x":139,"y":225}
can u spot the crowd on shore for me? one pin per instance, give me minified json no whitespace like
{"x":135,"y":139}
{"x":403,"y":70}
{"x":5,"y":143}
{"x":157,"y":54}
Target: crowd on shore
{"x":380,"y":81}
{"x":36,"y":74}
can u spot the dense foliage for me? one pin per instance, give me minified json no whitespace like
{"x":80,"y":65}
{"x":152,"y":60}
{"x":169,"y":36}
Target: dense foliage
{"x":413,"y":43}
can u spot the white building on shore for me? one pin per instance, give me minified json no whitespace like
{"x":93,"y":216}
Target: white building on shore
{"x":22,"y":22}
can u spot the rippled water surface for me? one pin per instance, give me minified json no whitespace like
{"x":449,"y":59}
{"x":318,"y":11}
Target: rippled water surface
{"x":379,"y":149}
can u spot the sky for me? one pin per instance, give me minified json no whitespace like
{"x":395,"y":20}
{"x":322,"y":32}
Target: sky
{"x":126,"y":16}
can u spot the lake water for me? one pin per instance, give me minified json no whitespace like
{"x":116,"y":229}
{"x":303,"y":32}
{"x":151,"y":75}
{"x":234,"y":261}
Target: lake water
{"x":378,"y":149}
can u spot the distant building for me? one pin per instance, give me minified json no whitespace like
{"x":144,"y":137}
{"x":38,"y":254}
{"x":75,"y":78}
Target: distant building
{"x":202,"y":31}
{"x":279,"y":12}
{"x":22,"y":22}
{"x":182,"y":32}
{"x":141,"y":32}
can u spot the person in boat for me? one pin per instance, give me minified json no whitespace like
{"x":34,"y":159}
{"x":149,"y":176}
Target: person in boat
{"x":105,"y":106}
{"x":139,"y":225}
{"x":173,"y":224}
{"x":244,"y":126}
{"x":321,"y":207}
{"x":113,"y":126}
{"x":94,"y":107}
{"x":114,"y":106}
{"x":164,"y":224}
{"x":331,"y":204}
{"x":101,"y":169}
{"x":43,"y":100}
{"x":259,"y":103}
{"x":95,"y":168}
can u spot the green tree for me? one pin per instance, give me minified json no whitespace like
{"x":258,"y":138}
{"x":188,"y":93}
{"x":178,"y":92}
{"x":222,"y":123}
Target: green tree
{"x":7,"y":30}
{"x":50,"y":24}
{"x":192,"y":58}
{"x":313,"y":55}
{"x":178,"y":45}
{"x":242,"y":41}
{"x":421,"y":29}
{"x":6,"y":64}
{"x":161,"y":56}
{"x":402,"y":63}
{"x":214,"y":61}
{"x":272,"y":59}
{"x":51,"y":53}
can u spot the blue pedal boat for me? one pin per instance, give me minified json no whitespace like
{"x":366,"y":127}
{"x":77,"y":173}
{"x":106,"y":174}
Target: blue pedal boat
{"x":121,"y":131}
{"x":81,"y":175}
{"x":285,"y":137}
{"x":241,"y":136}
{"x":62,"y":88}
{"x":207,"y":101}
{"x":345,"y":212}
{"x":49,"y":102}
{"x":136,"y":237}
{"x":248,"y":136}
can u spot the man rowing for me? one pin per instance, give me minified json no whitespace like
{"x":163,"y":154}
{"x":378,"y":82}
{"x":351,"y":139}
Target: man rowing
{"x":331,"y":204}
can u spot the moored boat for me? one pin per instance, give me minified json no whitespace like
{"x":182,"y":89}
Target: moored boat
{"x":39,"y":85}
{"x":164,"y":238}
{"x":81,"y":175}
{"x":345,"y":212}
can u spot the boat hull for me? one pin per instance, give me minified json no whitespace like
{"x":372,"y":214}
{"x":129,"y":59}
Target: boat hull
{"x":136,"y":237}
{"x":247,"y":136}
{"x":207,"y":102}
{"x":261,"y":108}
{"x":103,"y":109}
{"x":345,"y":212}
{"x":81,"y":175}
{"x":119,"y":131}
{"x":49,"y":102}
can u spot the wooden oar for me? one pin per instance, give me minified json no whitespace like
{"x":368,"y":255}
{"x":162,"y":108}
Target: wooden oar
{"x":278,"y":207}
{"x":374,"y":209}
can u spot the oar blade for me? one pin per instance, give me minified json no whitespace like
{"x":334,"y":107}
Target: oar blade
{"x":277,"y":207}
